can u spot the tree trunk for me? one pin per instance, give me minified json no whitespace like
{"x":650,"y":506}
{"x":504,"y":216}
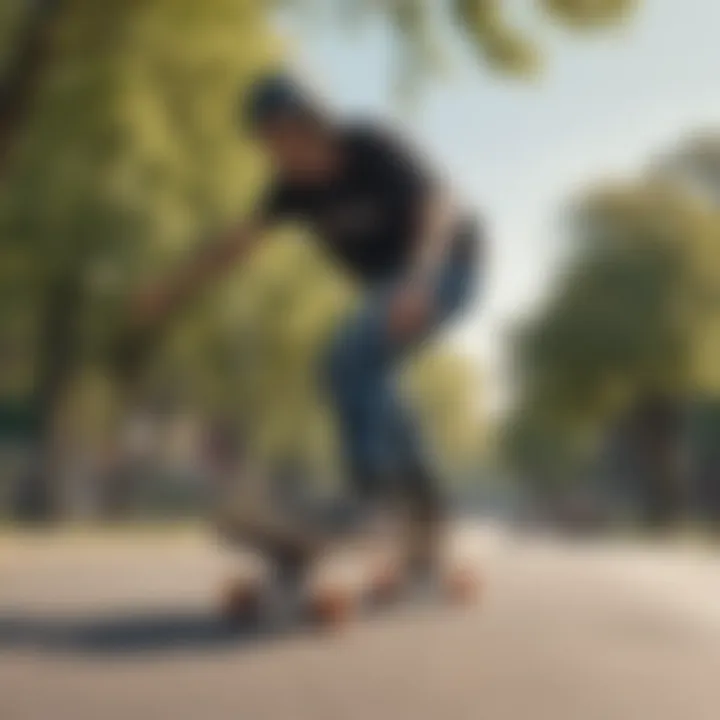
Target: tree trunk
{"x":26,"y":68}
{"x":656,"y":438}
{"x":705,"y":460}
{"x":57,"y":363}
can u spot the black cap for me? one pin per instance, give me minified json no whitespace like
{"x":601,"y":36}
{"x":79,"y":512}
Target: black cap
{"x":274,"y":95}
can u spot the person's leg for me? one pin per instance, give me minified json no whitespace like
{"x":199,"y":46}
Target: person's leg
{"x":408,"y":451}
{"x":381,"y":441}
{"x":353,"y":373}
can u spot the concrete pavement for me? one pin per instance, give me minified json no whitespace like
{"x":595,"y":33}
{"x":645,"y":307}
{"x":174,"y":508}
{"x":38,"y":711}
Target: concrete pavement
{"x":124,"y":627}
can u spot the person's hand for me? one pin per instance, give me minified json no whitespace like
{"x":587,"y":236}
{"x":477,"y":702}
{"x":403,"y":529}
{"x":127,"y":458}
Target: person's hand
{"x":410,"y":310}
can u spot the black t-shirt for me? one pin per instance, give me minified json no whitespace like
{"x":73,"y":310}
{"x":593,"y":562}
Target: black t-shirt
{"x":367,"y":217}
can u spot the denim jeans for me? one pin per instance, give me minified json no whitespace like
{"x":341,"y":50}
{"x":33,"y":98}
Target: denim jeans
{"x":380,"y":439}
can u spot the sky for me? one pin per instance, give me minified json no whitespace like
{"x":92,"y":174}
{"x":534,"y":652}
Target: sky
{"x":517,"y":152}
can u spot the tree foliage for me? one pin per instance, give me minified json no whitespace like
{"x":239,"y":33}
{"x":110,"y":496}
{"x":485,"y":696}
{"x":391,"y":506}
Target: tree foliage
{"x":120,"y":116}
{"x":424,"y":28}
{"x":130,"y":153}
{"x":129,"y":160}
{"x":635,"y":315}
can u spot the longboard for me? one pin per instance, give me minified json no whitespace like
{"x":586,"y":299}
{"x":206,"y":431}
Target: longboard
{"x":309,"y":569}
{"x":325,"y":579}
{"x":328,"y":581}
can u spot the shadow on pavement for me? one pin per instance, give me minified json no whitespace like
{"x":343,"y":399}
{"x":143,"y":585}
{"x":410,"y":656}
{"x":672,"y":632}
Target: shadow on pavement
{"x":130,"y":632}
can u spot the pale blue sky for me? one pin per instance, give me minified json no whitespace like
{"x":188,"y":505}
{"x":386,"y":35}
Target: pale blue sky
{"x":516,"y":151}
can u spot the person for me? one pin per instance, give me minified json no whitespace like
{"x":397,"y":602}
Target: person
{"x":387,"y":219}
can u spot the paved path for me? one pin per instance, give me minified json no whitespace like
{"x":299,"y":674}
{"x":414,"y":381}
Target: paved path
{"x":123,"y":628}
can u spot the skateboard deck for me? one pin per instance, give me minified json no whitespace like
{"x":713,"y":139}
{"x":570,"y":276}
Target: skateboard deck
{"x":310,"y":571}
{"x":329,"y":582}
{"x":324,"y":578}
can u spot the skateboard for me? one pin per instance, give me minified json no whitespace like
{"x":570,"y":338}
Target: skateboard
{"x":307,"y":576}
{"x":308,"y":568}
{"x":329,"y":580}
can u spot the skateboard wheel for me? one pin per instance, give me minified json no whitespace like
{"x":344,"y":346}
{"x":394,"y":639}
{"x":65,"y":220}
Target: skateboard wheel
{"x":463,"y":586}
{"x":240,"y":601}
{"x":332,"y":608}
{"x":386,"y":585}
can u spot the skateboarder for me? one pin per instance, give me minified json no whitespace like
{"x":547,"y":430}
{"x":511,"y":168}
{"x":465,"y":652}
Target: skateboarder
{"x":387,"y":220}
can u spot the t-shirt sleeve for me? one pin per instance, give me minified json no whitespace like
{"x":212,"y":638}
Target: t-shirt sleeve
{"x":394,"y":163}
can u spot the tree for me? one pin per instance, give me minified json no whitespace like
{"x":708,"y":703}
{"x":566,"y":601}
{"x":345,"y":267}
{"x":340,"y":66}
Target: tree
{"x":129,"y":152}
{"x":624,"y":336}
{"x":29,"y":29}
{"x":132,"y":152}
{"x":133,"y":155}
{"x":24,"y":69}
{"x":422,"y":28}
{"x":693,"y":168}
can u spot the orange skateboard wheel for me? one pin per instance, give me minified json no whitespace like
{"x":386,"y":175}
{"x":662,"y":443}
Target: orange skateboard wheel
{"x":332,"y":607}
{"x":463,"y":585}
{"x":386,"y":583}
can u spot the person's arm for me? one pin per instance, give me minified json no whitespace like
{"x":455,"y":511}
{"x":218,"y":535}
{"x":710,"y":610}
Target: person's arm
{"x":154,"y":303}
{"x":437,"y":218}
{"x":412,"y":304}
{"x":416,"y":190}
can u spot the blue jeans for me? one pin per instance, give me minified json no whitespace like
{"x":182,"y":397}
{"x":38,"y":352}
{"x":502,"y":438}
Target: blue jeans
{"x":379,"y":434}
